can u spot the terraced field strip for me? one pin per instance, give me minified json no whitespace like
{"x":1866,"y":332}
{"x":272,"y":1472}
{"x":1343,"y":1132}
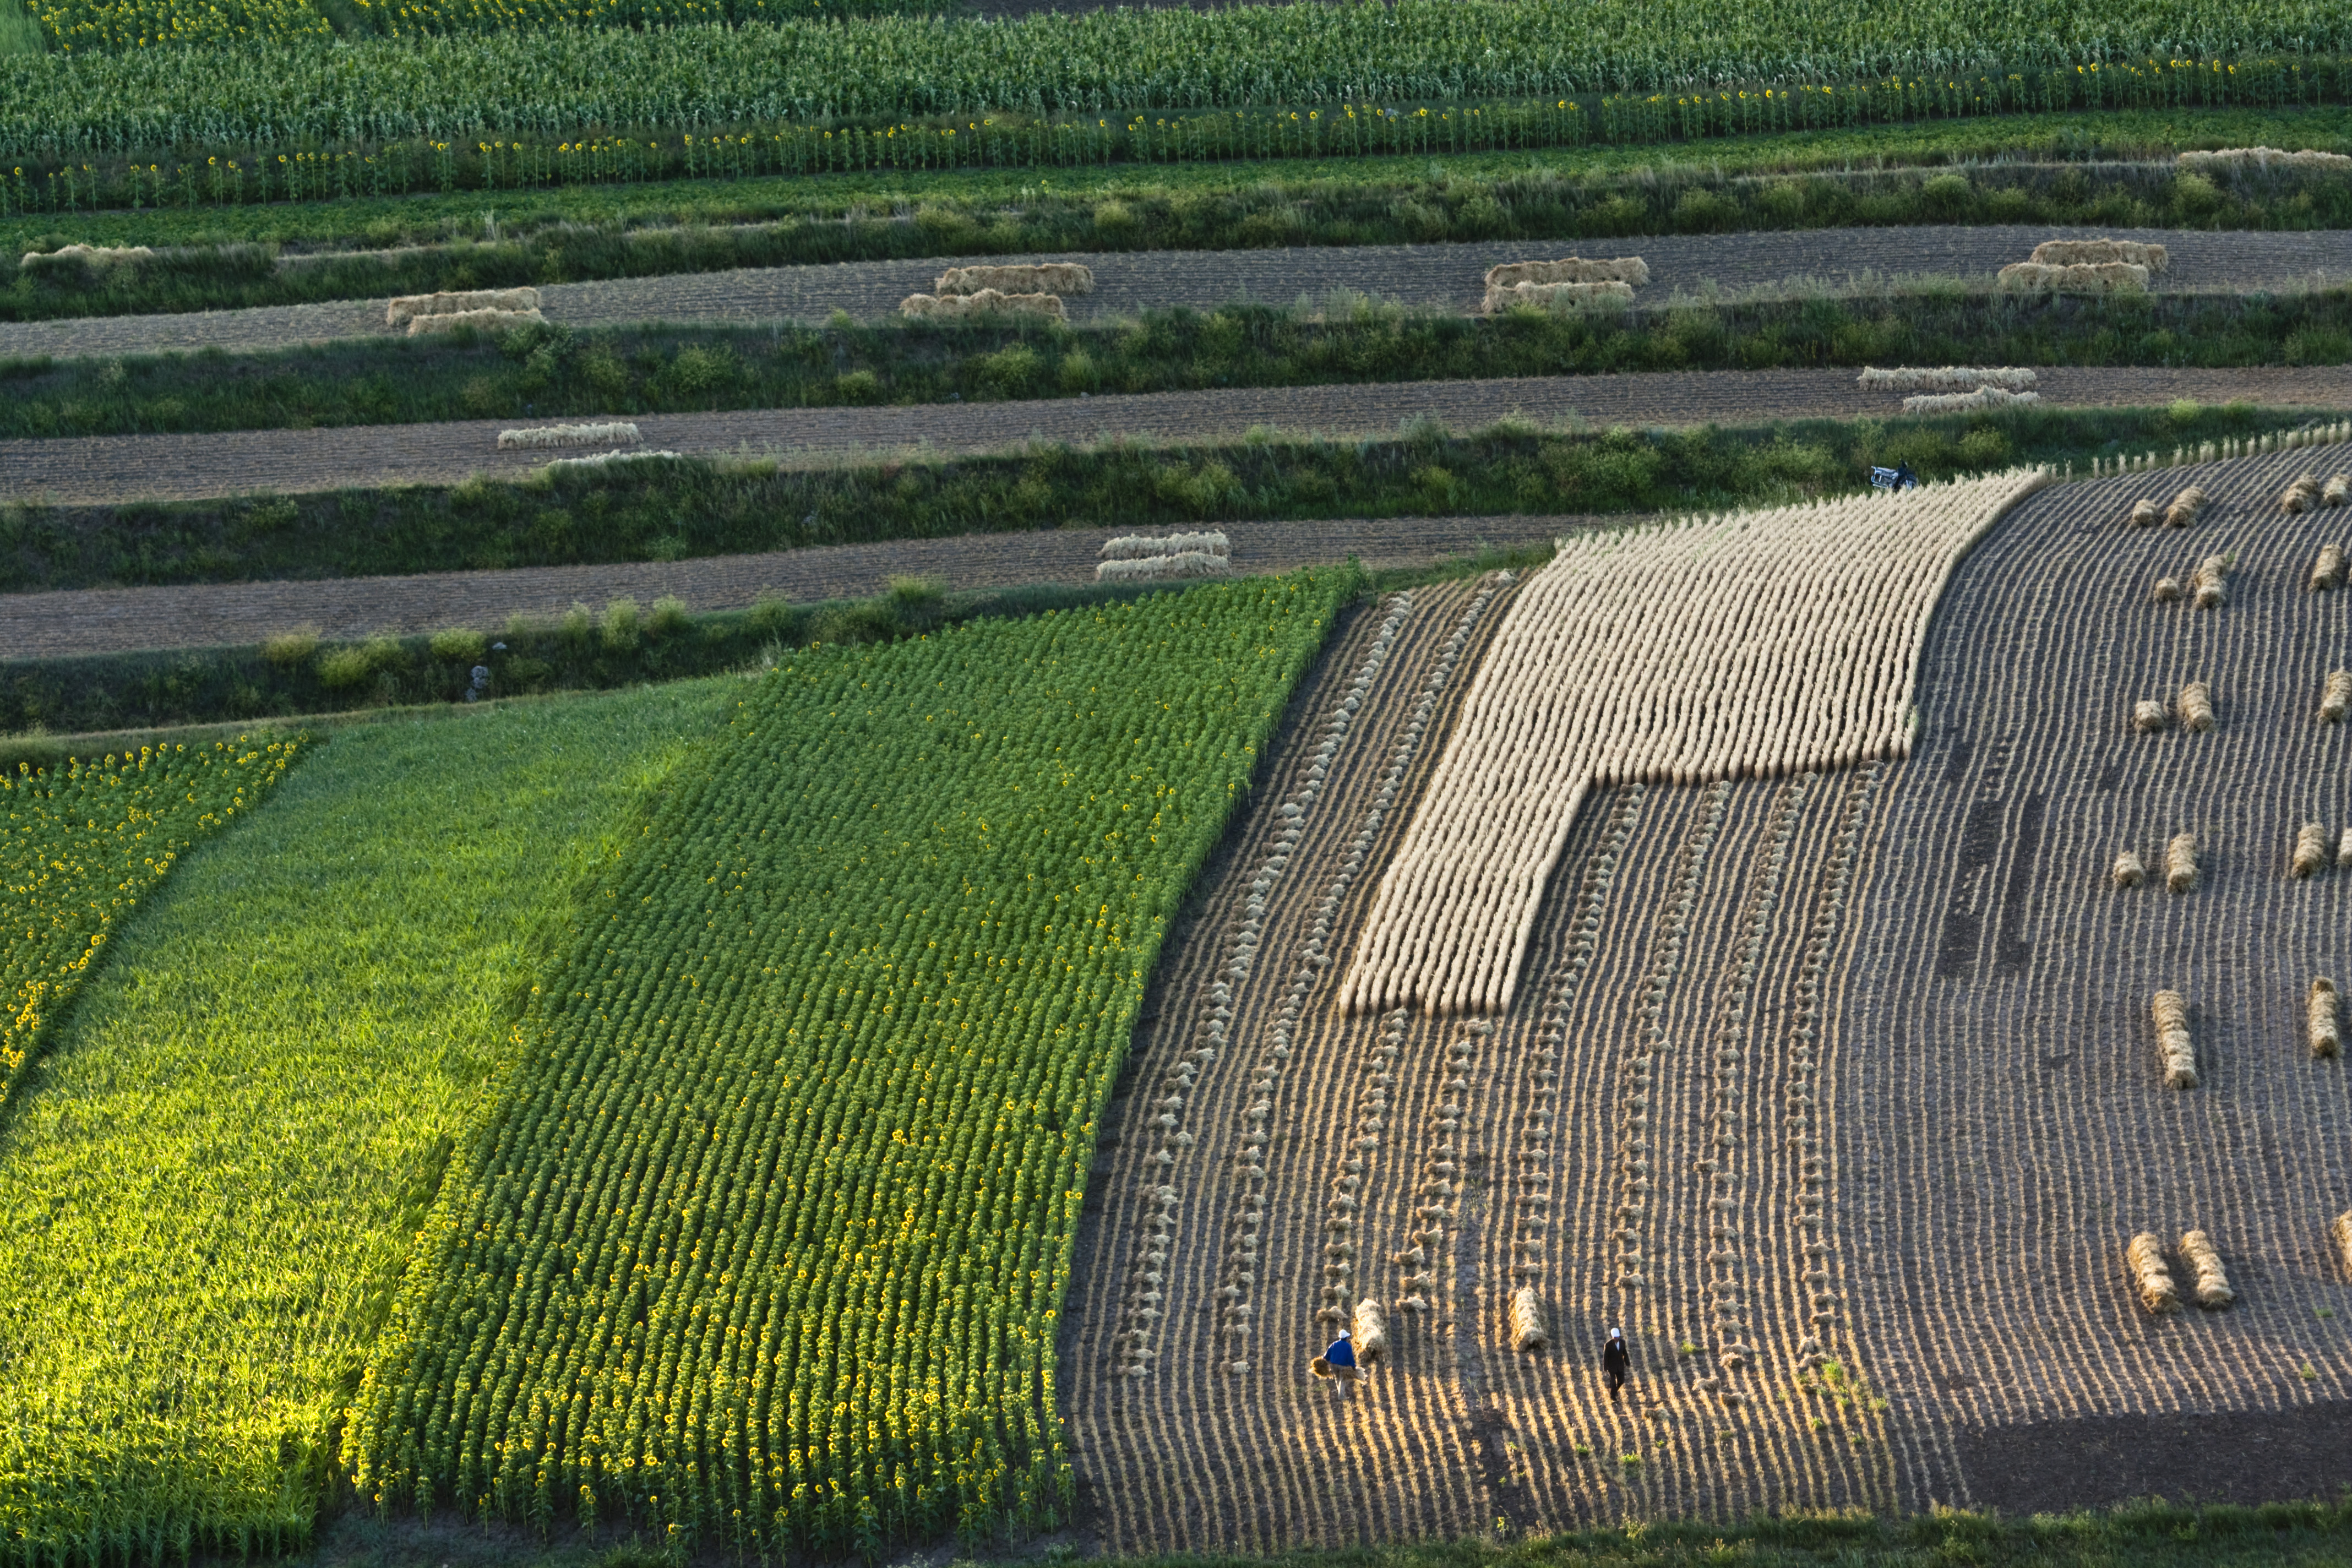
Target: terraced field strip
{"x":119,"y":620}
{"x":99,"y":471}
{"x":1441,"y":276}
{"x":2001,"y":1091}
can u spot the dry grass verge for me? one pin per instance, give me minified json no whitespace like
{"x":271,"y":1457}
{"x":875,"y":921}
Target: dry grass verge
{"x":2173,"y":1045}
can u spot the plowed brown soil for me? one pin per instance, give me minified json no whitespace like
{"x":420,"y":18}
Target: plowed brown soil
{"x":101,"y":469}
{"x":1443,"y":277}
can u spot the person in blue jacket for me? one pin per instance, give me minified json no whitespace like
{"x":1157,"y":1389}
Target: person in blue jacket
{"x":1341,"y":1359}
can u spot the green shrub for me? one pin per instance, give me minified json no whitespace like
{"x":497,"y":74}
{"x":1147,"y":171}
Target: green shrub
{"x":342,"y":669}
{"x":459,"y":646}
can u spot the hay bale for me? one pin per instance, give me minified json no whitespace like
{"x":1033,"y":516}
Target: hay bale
{"x":2213,"y":1288}
{"x":2310,"y":851}
{"x":2344,"y":1238}
{"x":1060,"y":278}
{"x":2094,"y":278}
{"x":407,"y":307}
{"x":1142,"y":546}
{"x":2263,"y":158}
{"x":90,"y":255}
{"x":2173,"y":1045}
{"x":985,"y":302}
{"x":1553,"y":296}
{"x":1372,"y":1333}
{"x":2209,"y":582}
{"x":2151,"y":1274}
{"x":2128,"y":871}
{"x":2343,"y":850}
{"x":2145,"y":514}
{"x":2303,"y":495}
{"x":2327,"y":571}
{"x":2181,"y":863}
{"x":1631,"y":270}
{"x":2168,"y":591}
{"x":2337,"y":491}
{"x":2320,"y":1025}
{"x":618,"y":431}
{"x":2185,"y":508}
{"x":1946,"y":378}
{"x":1958,"y":402}
{"x":483,"y":320}
{"x":2147,"y":716}
{"x":1185,"y":563}
{"x":611,"y":459}
{"x":1528,"y":1330}
{"x":2196,"y":708}
{"x":2095,"y":252}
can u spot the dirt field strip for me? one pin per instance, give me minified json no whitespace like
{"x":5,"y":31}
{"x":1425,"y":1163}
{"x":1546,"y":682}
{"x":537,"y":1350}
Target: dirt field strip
{"x":119,"y":620}
{"x":1443,"y":277}
{"x":106,"y":470}
{"x":2020,"y":1134}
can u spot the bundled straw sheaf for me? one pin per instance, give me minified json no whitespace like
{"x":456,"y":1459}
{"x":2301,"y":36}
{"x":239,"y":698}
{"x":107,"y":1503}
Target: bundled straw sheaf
{"x":2320,"y":1025}
{"x":2213,"y":1288}
{"x":92,"y":254}
{"x":2099,"y":252}
{"x":1371,"y":1329}
{"x":2147,"y":715}
{"x":606,"y":459}
{"x":2145,"y":514}
{"x":1550,"y":296}
{"x":1956,"y":402}
{"x":1047,"y":278}
{"x":2167,"y":592}
{"x":619,"y":431}
{"x":2327,"y":571}
{"x":1642,"y":655}
{"x":1185,"y":563}
{"x":2342,"y":1228}
{"x":407,"y":307}
{"x":2098,"y":277}
{"x":1627,"y":270}
{"x":2173,"y":1045}
{"x":985,"y":303}
{"x":1141,"y":547}
{"x":2128,"y":871}
{"x":2305,"y":495}
{"x":2210,"y":581}
{"x":2152,"y":1274}
{"x":2180,"y":864}
{"x":2310,"y":851}
{"x":2263,"y":157}
{"x":2196,"y":708}
{"x":2185,"y":508}
{"x":2344,"y":849}
{"x":2336,"y":491}
{"x":1528,"y":1330}
{"x":1946,"y":378}
{"x":480,"y":320}
{"x":2335,"y":697}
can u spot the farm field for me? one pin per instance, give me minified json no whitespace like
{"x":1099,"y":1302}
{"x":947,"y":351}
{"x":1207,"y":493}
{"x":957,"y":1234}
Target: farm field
{"x":1836,"y":1090}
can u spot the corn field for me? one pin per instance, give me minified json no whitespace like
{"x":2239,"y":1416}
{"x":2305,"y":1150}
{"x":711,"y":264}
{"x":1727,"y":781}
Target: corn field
{"x":82,"y":843}
{"x":537,"y":103}
{"x":1759,"y":644}
{"x":818,"y":1084}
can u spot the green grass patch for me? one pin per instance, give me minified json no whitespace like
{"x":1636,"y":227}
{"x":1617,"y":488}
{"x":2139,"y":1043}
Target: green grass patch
{"x":218,"y":1168}
{"x":696,"y":506}
{"x":545,"y":372}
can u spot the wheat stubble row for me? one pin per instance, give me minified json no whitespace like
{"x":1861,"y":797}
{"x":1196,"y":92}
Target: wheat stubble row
{"x":2000,"y":1079}
{"x":1759,"y":643}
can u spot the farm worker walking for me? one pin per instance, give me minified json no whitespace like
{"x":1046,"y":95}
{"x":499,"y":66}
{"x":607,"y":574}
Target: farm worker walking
{"x":1613,"y":1362}
{"x":1340,"y":1360}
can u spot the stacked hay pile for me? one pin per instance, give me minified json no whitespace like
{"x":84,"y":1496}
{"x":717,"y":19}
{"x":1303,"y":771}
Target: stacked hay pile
{"x":2197,"y":707}
{"x":2214,"y":1291}
{"x":2210,"y":583}
{"x":2327,"y":571}
{"x":2157,"y":1293}
{"x":1947,"y":378}
{"x":2101,"y":252}
{"x":1015,"y":291}
{"x":2335,"y":697}
{"x":606,"y":460}
{"x":2310,"y":851}
{"x":2320,"y":1027}
{"x":618,"y":432}
{"x":2180,"y":864}
{"x":471,"y":308}
{"x":2172,"y":1042}
{"x":92,"y":254}
{"x":1135,"y":557}
{"x":2305,"y":494}
{"x":2088,"y":278}
{"x":1572,"y":281}
{"x":1959,"y":402}
{"x":2127,"y":870}
{"x":986,"y":302}
{"x":2185,"y":508}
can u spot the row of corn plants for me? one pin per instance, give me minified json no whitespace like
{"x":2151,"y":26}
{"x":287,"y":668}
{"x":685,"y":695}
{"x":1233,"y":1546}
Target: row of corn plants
{"x":63,"y":181}
{"x":764,"y":1245}
{"x":81,"y":844}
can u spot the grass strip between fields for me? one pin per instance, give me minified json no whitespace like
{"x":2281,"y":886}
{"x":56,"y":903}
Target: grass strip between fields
{"x":543,"y":372}
{"x":689,"y":508}
{"x":217,"y":1169}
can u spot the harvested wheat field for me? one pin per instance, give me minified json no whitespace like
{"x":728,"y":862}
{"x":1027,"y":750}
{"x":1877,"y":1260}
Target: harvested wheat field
{"x":1838,"y":1090}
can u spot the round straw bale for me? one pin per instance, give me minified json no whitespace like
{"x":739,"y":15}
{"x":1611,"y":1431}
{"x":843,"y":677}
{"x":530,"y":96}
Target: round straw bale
{"x":2145,"y":513}
{"x":2213,"y":1288}
{"x":1528,"y":1330}
{"x":2310,"y":851}
{"x":2327,"y":571}
{"x":1372,"y":1331}
{"x":2147,"y":716}
{"x":2197,"y":707}
{"x":2129,"y":872}
{"x":2151,"y":1274}
{"x":2321,"y":1029}
{"x":2181,"y":863}
{"x":2168,"y":589}
{"x":2172,"y":1041}
{"x":2335,"y":697}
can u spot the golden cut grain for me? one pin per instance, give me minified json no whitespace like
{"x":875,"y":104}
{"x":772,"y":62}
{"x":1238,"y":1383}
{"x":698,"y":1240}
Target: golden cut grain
{"x":2213,"y":1288}
{"x":2173,"y":1045}
{"x":2196,"y":708}
{"x":1372,"y":1333}
{"x":2185,"y":508}
{"x":2147,"y":716}
{"x":2181,"y":863}
{"x":2091,"y":252}
{"x":2151,"y":1274}
{"x":1528,"y":1330}
{"x":2327,"y":571}
{"x":2310,"y":851}
{"x":406,"y":307}
{"x":2320,"y":1025}
{"x":2128,"y":871}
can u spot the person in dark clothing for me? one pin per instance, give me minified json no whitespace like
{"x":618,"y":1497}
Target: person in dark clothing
{"x":1612,"y":1361}
{"x":1341,"y":1359}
